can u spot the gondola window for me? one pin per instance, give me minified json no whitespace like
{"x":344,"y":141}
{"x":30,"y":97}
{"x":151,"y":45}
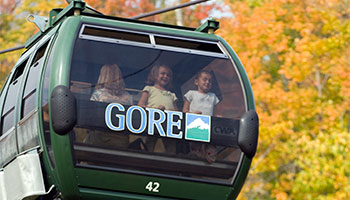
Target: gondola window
{"x":30,"y":87}
{"x":114,"y":131}
{"x":7,"y":118}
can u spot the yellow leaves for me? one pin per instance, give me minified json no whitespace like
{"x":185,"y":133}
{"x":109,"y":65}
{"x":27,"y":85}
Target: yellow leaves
{"x":281,"y":196}
{"x":15,"y":30}
{"x":297,"y":65}
{"x":324,"y":164}
{"x":282,"y":45}
{"x":303,"y":104}
{"x":297,"y":25}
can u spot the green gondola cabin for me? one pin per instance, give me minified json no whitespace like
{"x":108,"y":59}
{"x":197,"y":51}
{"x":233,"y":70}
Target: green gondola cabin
{"x":57,"y":141}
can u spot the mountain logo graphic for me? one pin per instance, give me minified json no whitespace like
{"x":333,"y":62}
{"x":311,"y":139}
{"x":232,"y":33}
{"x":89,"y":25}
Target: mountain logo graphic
{"x":197,"y":127}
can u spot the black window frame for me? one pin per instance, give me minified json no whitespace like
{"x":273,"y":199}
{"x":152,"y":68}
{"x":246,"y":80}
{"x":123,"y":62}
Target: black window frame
{"x":195,"y":44}
{"x":32,"y":79}
{"x":116,"y":34}
{"x":43,"y":104}
{"x":187,"y":44}
{"x":9,"y":106}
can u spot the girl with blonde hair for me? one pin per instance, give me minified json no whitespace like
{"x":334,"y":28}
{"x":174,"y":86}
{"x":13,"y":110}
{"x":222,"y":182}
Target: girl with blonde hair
{"x":157,"y":94}
{"x":110,"y":86}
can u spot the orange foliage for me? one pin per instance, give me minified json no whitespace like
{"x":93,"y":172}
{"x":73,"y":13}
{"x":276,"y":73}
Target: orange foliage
{"x":296,"y":54}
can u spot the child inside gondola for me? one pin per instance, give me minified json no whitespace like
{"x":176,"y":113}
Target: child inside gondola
{"x":157,"y":94}
{"x":110,"y":88}
{"x":201,"y":101}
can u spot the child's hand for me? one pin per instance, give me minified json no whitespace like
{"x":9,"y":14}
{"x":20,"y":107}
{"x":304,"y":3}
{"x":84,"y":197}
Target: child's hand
{"x":161,"y":107}
{"x":106,"y":97}
{"x":211,"y":153}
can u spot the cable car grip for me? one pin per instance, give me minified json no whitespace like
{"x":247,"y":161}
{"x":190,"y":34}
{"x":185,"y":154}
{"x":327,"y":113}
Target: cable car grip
{"x":63,"y":110}
{"x":248,"y":133}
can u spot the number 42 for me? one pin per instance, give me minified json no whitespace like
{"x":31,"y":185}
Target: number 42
{"x":152,"y":186}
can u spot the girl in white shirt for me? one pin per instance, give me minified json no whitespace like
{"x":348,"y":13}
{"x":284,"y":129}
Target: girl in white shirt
{"x":203,"y":102}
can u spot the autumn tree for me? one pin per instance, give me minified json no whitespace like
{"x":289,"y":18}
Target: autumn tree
{"x":189,"y":16}
{"x":15,"y":29}
{"x":7,"y":9}
{"x":296,"y":54}
{"x":123,"y":8}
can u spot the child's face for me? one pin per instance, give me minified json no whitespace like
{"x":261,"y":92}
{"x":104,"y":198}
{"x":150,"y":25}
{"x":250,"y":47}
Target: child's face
{"x":203,"y":82}
{"x":164,"y":77}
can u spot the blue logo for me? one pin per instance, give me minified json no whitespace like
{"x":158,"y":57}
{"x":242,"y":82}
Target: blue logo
{"x":149,"y":121}
{"x":197,"y":127}
{"x":171,"y":119}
